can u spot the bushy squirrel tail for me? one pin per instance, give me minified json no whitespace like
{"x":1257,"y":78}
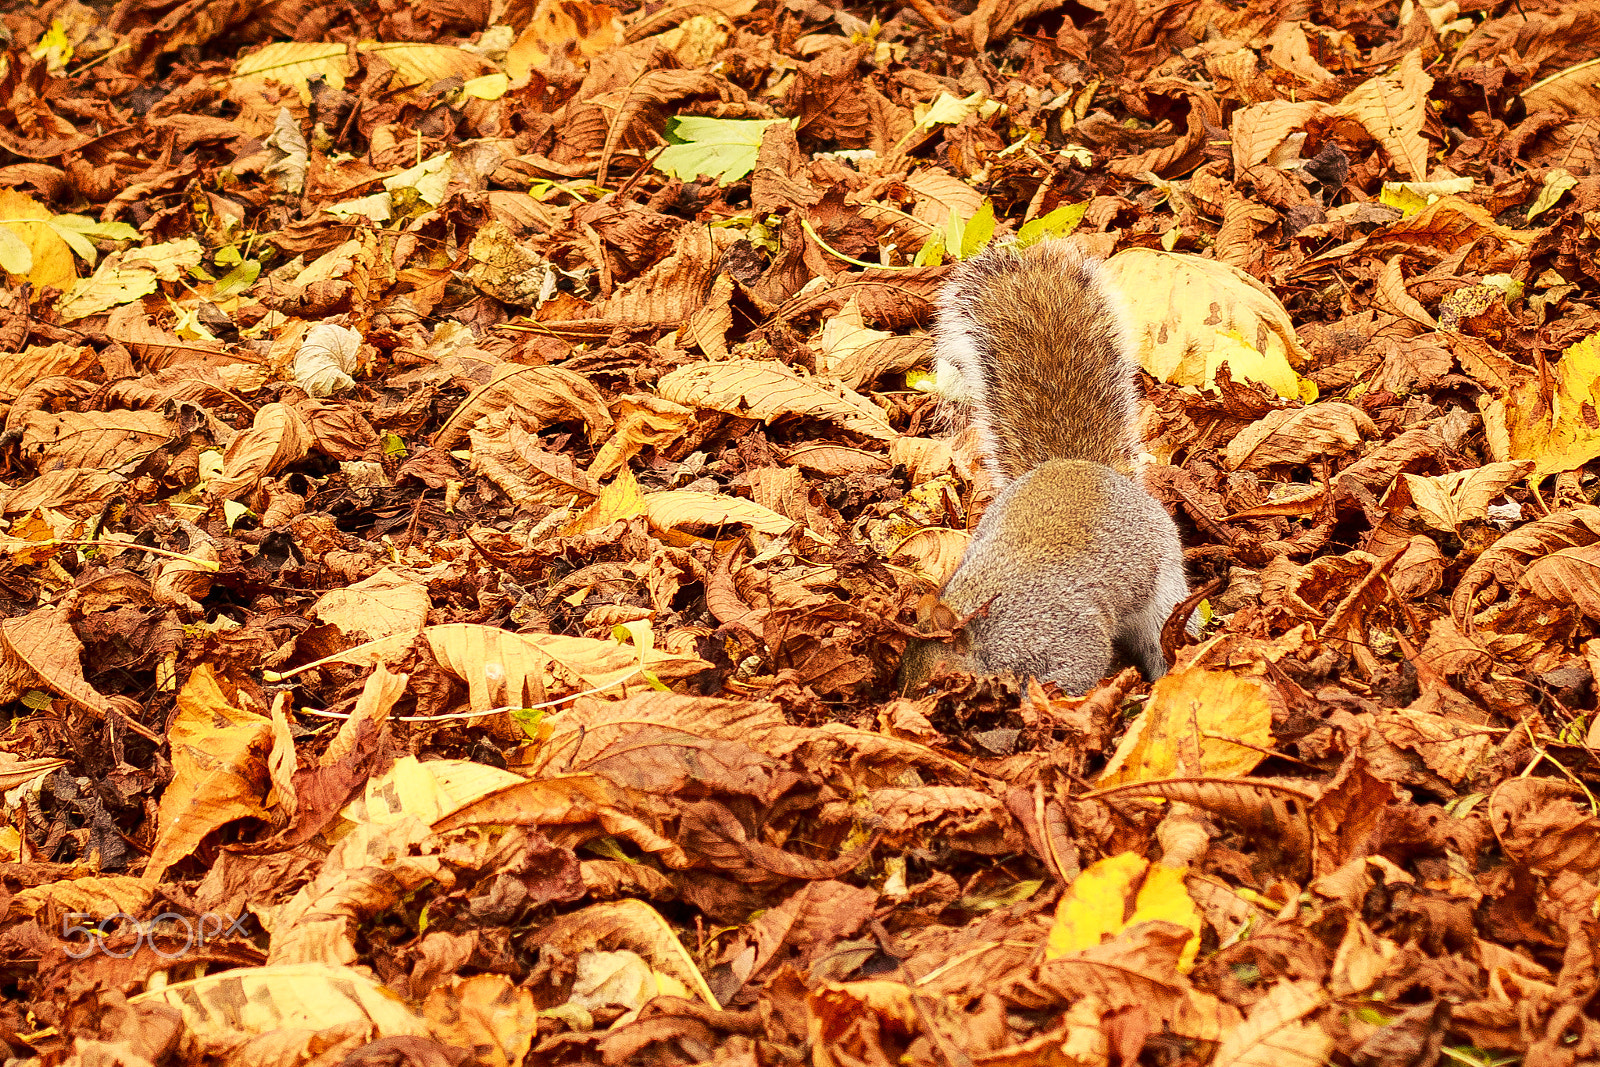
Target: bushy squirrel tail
{"x":1036,"y":340}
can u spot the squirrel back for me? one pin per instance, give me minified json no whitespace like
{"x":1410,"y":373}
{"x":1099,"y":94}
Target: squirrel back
{"x":1037,"y":343}
{"x":1074,"y":558}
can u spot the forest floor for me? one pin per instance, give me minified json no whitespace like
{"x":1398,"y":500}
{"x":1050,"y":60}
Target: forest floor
{"x":470,"y":472}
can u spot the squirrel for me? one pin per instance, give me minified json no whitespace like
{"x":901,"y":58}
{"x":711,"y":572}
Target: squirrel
{"x":1074,"y":556}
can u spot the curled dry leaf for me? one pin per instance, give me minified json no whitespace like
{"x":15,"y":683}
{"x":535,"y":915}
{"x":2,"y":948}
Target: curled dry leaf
{"x":277,"y":437}
{"x":1504,"y":562}
{"x":1570,"y":576}
{"x":1393,"y":109}
{"x":507,"y":454}
{"x":642,"y":421}
{"x":327,"y":359}
{"x":937,"y":552}
{"x":635,"y":925}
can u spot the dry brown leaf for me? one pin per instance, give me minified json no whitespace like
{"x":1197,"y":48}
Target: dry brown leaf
{"x":544,"y":395}
{"x":1571,"y":90}
{"x":219,"y":755}
{"x":765,"y":390}
{"x":1505,"y":561}
{"x":562,"y":35}
{"x":386,"y":603}
{"x":505,"y":669}
{"x":507,"y":454}
{"x":1294,"y":436}
{"x":630,"y":923}
{"x":22,"y":369}
{"x":642,"y":421}
{"x":108,"y":439}
{"x":1395,"y":298}
{"x":711,"y":512}
{"x":1570,"y":576}
{"x":1277,"y":1032}
{"x":236,"y":1009}
{"x":1261,"y":128}
{"x":1393,"y":109}
{"x":277,"y":437}
{"x":1446,"y":501}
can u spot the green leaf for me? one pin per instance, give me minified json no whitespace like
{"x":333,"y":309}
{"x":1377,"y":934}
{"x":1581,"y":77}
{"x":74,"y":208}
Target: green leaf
{"x":80,"y":231}
{"x":931,"y":254}
{"x":75,"y":241}
{"x":1556,"y":184}
{"x":528,"y":719}
{"x":15,"y":255}
{"x":723,"y":149}
{"x":1411,"y":197}
{"x":94,"y":228}
{"x":979,"y":231}
{"x":1058,"y":223}
{"x":237,"y":281}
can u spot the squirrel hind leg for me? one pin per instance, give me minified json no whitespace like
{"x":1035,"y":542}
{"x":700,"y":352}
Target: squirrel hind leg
{"x":1140,"y":635}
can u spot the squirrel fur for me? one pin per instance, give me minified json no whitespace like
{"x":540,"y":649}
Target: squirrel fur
{"x":1074,"y":557}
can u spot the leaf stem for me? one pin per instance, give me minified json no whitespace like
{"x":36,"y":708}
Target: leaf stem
{"x":805,"y":224}
{"x":203,"y":564}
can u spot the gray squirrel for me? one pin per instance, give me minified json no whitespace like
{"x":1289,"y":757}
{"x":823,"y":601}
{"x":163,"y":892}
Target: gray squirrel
{"x":1074,"y":557}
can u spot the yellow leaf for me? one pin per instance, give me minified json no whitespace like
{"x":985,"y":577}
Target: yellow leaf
{"x":1164,"y":896}
{"x":49,"y":259}
{"x":1245,"y":363}
{"x":1182,"y":307}
{"x":1095,"y":905}
{"x":1191,"y":726}
{"x":1563,"y":433}
{"x":622,"y":499}
{"x":488,"y":87}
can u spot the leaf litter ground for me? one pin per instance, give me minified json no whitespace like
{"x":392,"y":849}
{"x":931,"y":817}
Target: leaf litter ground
{"x":469,"y":478}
